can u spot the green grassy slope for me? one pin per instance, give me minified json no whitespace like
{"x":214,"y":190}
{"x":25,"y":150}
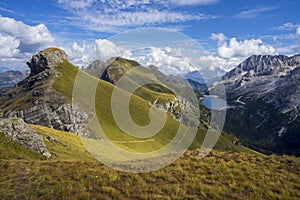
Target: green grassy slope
{"x":150,"y":92}
{"x":217,"y":176}
{"x":10,"y":149}
{"x":139,"y":113}
{"x":73,"y":174}
{"x":68,"y":148}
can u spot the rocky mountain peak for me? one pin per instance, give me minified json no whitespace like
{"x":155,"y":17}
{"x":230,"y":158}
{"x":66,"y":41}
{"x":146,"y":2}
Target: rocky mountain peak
{"x":262,"y":65}
{"x":46,"y":59}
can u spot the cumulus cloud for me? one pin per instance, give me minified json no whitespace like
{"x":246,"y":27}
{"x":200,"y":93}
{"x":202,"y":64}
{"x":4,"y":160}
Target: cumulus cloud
{"x":18,"y":41}
{"x":230,"y":52}
{"x":9,"y":46}
{"x":84,"y":53}
{"x":220,"y":37}
{"x":166,"y":59}
{"x":80,"y":53}
{"x":244,"y":48}
{"x":107,"y":49}
{"x":30,"y":38}
{"x":113,"y":15}
{"x":298,"y":30}
{"x":214,"y":62}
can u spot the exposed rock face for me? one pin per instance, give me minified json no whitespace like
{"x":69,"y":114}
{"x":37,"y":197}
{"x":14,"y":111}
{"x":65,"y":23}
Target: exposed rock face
{"x":36,"y":101}
{"x":264,"y":95}
{"x":64,"y":117}
{"x":263,"y":65}
{"x":46,"y":59}
{"x":19,"y":131}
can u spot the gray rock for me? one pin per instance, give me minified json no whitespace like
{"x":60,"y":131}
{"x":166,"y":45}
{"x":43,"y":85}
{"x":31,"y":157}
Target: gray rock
{"x":65,"y":117}
{"x":17,"y":130}
{"x":36,"y":101}
{"x":46,"y":59}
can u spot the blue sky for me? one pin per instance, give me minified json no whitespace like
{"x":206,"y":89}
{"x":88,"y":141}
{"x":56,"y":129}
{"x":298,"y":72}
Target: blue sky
{"x":230,"y":30}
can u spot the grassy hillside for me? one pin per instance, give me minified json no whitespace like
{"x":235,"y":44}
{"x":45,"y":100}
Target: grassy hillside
{"x":72,"y":173}
{"x":139,"y":112}
{"x":218,"y":176}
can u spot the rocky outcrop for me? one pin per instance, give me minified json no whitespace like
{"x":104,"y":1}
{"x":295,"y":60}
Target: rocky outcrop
{"x":46,"y":59}
{"x":64,"y":117}
{"x":36,"y":101}
{"x":17,"y":130}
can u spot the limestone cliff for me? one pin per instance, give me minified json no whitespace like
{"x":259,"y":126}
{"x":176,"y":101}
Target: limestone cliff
{"x":36,"y":101}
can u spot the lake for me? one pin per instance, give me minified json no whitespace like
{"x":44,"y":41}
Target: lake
{"x":214,"y":103}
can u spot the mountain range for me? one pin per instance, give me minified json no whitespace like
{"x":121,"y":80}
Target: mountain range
{"x":264,"y":97}
{"x":47,"y":121}
{"x":46,"y":98}
{"x":262,"y":94}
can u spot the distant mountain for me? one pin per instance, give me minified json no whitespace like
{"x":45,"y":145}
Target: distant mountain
{"x":205,"y":76}
{"x":198,"y":87}
{"x":263,"y":65}
{"x":264,"y":95}
{"x":195,"y":76}
{"x":4,"y":69}
{"x":9,"y":79}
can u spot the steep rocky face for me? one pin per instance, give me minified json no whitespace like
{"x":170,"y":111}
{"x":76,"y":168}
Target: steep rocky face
{"x":264,"y":95}
{"x":17,"y":130}
{"x":36,"y":101}
{"x":46,"y":59}
{"x":263,"y":65}
{"x":9,"y":79}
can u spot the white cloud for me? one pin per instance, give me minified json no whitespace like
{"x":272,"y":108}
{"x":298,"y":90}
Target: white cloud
{"x":253,"y":13}
{"x":244,"y":48}
{"x":6,"y":10}
{"x":80,"y":54}
{"x":286,"y":26}
{"x":220,"y":37}
{"x":194,"y":2}
{"x":214,"y":62}
{"x":113,"y":15}
{"x":107,"y":49}
{"x":78,"y":4}
{"x":18,"y":41}
{"x":84,"y":53}
{"x":31,"y":38}
{"x":298,"y":30}
{"x":167,"y":60}
{"x":9,"y":46}
{"x":230,"y":53}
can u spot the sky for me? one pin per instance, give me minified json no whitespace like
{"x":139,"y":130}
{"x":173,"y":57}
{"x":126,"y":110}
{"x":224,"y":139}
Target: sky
{"x":194,"y":34}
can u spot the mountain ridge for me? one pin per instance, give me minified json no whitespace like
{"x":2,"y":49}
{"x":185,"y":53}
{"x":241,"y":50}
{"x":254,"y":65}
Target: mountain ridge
{"x":264,"y":99}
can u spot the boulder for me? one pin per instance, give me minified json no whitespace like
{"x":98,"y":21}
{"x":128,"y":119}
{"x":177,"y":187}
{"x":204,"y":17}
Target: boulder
{"x":17,"y":130}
